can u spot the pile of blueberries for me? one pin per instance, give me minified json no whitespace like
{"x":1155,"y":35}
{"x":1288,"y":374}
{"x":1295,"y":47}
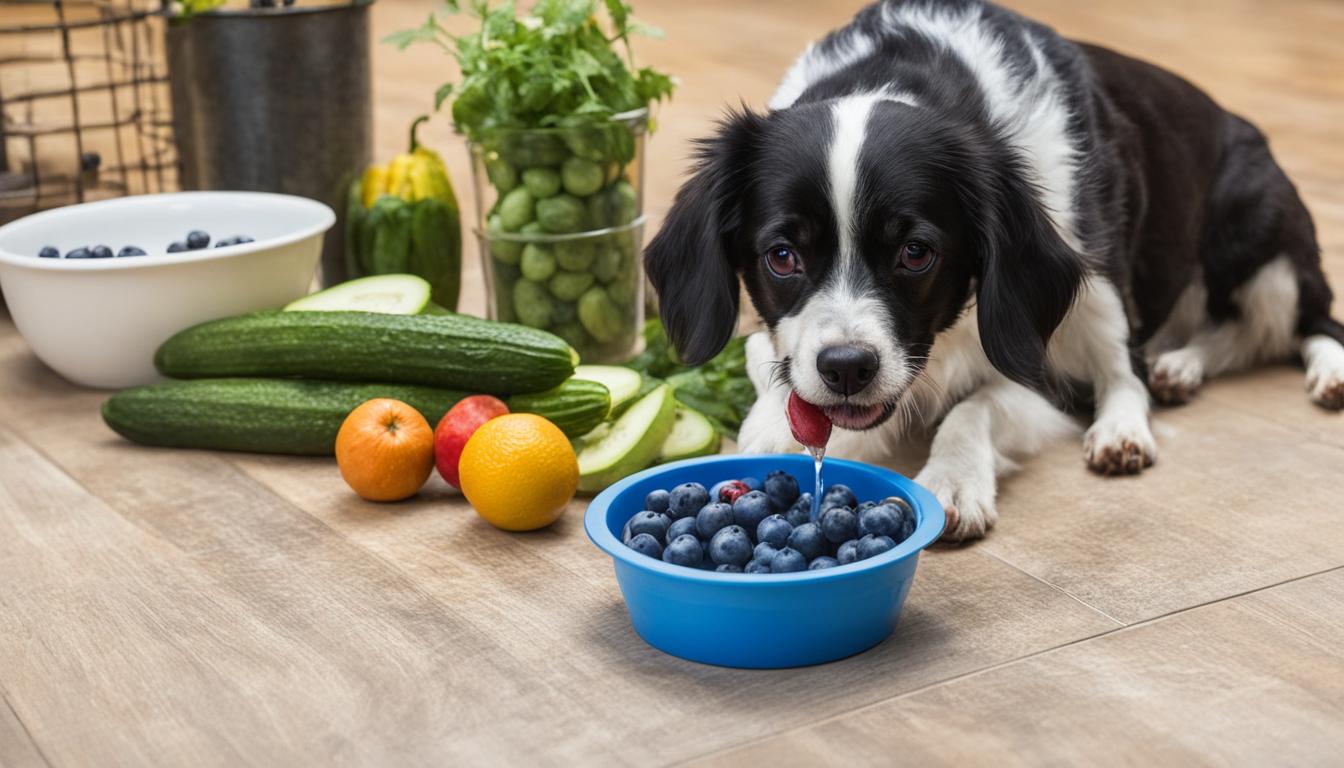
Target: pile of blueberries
{"x":194,"y":241}
{"x":746,"y":526}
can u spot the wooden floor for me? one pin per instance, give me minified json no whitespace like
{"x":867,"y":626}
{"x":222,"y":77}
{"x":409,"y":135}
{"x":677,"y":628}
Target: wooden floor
{"x":190,"y":608}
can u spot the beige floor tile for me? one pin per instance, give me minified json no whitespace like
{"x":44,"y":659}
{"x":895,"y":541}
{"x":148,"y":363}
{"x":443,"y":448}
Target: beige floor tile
{"x":1278,"y":395}
{"x":1257,"y":680}
{"x":965,"y":611}
{"x":1233,"y":504}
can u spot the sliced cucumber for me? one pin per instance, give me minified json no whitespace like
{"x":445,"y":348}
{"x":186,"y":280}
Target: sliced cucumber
{"x":692,"y":435}
{"x":385,"y":294}
{"x":623,"y":383}
{"x":631,"y":445}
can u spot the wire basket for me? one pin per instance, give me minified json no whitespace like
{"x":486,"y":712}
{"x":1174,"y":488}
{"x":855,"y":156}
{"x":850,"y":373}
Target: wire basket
{"x":84,"y":107}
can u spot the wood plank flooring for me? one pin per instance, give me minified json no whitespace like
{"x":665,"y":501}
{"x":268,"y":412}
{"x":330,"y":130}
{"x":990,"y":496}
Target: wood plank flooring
{"x":192,"y":608}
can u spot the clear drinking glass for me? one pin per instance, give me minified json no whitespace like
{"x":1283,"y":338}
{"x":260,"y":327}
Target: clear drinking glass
{"x":561,"y":227}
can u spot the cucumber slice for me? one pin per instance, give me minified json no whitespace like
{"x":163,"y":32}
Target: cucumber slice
{"x":385,"y":294}
{"x":631,"y":445}
{"x":623,"y":383}
{"x":692,"y":435}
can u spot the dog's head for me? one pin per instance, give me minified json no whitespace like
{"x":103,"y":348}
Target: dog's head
{"x":862,"y":228}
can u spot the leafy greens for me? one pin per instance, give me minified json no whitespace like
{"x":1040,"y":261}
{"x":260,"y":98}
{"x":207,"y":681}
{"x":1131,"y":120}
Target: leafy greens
{"x":556,"y":67}
{"x":719,"y":389}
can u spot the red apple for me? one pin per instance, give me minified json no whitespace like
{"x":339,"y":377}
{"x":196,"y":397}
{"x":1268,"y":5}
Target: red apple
{"x":456,"y":428}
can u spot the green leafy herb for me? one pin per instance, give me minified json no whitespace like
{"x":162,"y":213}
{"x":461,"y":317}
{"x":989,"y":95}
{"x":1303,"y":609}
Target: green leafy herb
{"x":719,"y":389}
{"x":557,"y":66}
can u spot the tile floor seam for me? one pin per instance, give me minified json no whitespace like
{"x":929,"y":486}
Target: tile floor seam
{"x":1003,"y":664}
{"x":1055,"y":587}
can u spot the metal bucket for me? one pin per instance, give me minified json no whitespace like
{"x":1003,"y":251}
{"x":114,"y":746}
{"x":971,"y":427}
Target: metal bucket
{"x":275,"y":100}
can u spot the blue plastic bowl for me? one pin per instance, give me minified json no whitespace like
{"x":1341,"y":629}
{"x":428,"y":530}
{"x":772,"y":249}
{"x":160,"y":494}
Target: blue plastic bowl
{"x":763,"y":621}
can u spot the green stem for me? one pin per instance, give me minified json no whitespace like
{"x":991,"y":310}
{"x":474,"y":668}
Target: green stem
{"x":415,"y":142}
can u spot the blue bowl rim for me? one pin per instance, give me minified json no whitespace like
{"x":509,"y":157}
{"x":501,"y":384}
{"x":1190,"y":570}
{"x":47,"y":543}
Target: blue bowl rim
{"x":927,"y":531}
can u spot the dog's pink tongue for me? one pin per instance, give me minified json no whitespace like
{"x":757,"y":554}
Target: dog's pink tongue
{"x":810,"y":426}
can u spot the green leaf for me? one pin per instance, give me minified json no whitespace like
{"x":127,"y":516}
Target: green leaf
{"x":442,"y":94}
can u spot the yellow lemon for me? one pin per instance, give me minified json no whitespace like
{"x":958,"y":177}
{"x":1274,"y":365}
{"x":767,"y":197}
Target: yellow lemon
{"x":519,"y":472}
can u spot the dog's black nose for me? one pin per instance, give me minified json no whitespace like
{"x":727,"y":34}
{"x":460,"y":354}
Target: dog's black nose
{"x":847,"y":370}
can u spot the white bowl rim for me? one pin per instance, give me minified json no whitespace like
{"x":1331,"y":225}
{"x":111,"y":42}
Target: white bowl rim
{"x":32,"y":261}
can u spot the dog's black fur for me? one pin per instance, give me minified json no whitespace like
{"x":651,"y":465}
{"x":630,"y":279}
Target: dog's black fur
{"x":1169,"y":188}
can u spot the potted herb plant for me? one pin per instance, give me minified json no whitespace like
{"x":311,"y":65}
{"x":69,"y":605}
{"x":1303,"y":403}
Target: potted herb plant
{"x":555,"y":114}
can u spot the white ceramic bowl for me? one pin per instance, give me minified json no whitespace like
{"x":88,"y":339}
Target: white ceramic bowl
{"x":97,"y":322}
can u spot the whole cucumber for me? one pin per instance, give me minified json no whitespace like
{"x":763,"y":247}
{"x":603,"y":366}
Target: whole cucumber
{"x":449,"y":351}
{"x":303,"y":417}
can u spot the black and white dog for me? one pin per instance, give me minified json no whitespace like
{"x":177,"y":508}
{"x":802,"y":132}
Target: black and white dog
{"x":952,"y":215}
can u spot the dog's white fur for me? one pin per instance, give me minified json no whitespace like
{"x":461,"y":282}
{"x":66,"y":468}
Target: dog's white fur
{"x":987,"y":421}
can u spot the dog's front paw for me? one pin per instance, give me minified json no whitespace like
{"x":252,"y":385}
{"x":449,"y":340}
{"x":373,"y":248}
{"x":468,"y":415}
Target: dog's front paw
{"x":967,"y":499}
{"x":1325,"y":384}
{"x":1176,"y":376}
{"x":1119,"y":446}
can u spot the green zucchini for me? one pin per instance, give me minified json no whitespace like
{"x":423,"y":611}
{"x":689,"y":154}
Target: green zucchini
{"x":303,"y":417}
{"x":449,"y":351}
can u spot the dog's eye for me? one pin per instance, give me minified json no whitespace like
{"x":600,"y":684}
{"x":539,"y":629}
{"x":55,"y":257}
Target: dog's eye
{"x":783,"y":261}
{"x":916,"y":257}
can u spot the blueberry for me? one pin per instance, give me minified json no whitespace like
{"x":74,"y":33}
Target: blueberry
{"x":807,"y":540}
{"x":839,"y":524}
{"x":751,"y":509}
{"x":728,"y":568}
{"x":907,"y":528}
{"x":718,"y":487}
{"x":752,"y":483}
{"x":684,"y":550}
{"x":907,"y":517}
{"x":625,"y":533}
{"x":79,"y":253}
{"x":681,"y":527}
{"x":241,"y":239}
{"x":89,"y":161}
{"x":651,"y":523}
{"x":130,"y":250}
{"x":882,"y":520}
{"x":712,"y":519}
{"x":756,"y":566}
{"x":801,"y":511}
{"x":822,"y":562}
{"x":657,"y":500}
{"x":765,"y":552}
{"x":646,"y":545}
{"x":730,"y":545}
{"x":197,"y":239}
{"x":687,"y":499}
{"x":782,"y":488}
{"x":177,"y":247}
{"x":49,"y":252}
{"x":225,"y":242}
{"x":838,"y":496}
{"x":789,"y":560}
{"x":864,"y":505}
{"x":848,"y":552}
{"x":774,"y":530}
{"x":101,"y":252}
{"x":872,"y":546}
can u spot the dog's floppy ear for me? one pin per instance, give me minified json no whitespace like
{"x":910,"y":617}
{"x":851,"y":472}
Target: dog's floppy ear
{"x":690,"y":261}
{"x":1028,"y":279}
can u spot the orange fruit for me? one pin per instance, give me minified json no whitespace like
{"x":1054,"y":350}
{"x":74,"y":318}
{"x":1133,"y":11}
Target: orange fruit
{"x":519,"y":472}
{"x":385,"y":450}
